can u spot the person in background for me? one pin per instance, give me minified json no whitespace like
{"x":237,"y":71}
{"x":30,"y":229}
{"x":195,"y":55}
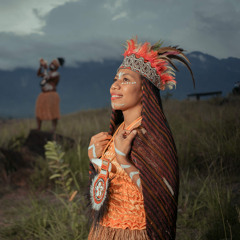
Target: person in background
{"x":47,"y":104}
{"x":236,"y":88}
{"x":134,"y":179}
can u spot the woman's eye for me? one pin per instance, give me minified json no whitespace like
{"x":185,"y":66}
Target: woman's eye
{"x":125,"y":80}
{"x":115,"y":79}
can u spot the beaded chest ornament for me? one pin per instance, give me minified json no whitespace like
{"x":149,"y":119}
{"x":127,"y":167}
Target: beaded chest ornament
{"x":99,"y":186}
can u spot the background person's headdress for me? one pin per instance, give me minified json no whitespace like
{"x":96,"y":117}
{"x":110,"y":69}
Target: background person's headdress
{"x":59,"y":61}
{"x":154,"y":62}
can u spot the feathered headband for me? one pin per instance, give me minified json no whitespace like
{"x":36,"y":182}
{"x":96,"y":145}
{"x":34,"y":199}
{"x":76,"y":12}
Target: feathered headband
{"x":154,"y":62}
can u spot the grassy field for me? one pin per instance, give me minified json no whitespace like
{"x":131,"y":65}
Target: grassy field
{"x":207,"y":135}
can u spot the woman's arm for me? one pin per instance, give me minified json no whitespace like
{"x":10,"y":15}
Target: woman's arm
{"x":132,"y":171}
{"x":97,"y":145}
{"x":122,"y":143}
{"x":41,"y":72}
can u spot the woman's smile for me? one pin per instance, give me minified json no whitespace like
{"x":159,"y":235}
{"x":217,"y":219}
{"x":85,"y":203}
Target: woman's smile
{"x":115,"y":96}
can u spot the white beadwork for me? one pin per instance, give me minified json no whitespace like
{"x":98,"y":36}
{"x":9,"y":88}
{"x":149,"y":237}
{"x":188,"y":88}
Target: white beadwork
{"x":119,"y":152}
{"x":132,"y":174}
{"x":94,"y":151}
{"x":125,"y":166}
{"x":123,"y":83}
{"x":139,"y":182}
{"x":115,"y":105}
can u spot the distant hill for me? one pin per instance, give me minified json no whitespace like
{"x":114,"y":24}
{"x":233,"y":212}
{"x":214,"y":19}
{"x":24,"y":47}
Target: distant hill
{"x":87,"y":85}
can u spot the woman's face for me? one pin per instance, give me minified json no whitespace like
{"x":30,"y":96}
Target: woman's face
{"x":53,"y":65}
{"x":126,"y":90}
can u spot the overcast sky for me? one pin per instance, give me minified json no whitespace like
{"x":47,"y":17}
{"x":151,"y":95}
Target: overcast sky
{"x":86,"y":30}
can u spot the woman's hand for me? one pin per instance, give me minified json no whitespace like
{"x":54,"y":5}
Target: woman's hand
{"x":43,"y":63}
{"x":97,"y":144}
{"x":122,"y":143}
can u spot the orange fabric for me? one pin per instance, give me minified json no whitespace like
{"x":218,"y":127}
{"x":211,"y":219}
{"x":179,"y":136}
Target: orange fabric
{"x":126,"y":205}
{"x":47,"y":106}
{"x":107,"y":233}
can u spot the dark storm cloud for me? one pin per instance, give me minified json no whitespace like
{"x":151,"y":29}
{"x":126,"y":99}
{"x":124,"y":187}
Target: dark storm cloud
{"x":218,"y":24}
{"x":88,"y":30}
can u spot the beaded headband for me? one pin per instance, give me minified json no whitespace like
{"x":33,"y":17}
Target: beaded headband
{"x":154,"y":62}
{"x":145,"y":69}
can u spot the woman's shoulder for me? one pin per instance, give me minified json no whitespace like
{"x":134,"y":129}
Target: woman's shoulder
{"x":54,"y":74}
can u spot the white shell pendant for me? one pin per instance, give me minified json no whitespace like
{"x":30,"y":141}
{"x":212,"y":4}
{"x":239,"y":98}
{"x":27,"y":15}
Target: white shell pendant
{"x":98,"y":191}
{"x":99,"y":186}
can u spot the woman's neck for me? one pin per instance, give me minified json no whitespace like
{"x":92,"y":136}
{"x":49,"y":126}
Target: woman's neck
{"x":130,"y":115}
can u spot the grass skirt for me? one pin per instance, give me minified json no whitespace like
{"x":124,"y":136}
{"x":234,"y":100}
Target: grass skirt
{"x":47,"y":106}
{"x":107,"y":233}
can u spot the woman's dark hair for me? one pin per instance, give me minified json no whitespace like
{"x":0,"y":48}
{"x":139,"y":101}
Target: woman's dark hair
{"x":61,"y":61}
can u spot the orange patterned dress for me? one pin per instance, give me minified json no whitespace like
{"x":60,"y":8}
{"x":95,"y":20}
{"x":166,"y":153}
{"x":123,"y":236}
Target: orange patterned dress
{"x":126,"y":218}
{"x":47,"y":106}
{"x":48,"y":101}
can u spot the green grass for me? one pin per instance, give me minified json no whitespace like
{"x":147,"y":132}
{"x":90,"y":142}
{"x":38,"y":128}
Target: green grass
{"x":46,"y":218}
{"x":207,"y":136}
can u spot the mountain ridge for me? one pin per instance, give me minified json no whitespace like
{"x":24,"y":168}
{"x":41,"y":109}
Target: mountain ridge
{"x":87,"y":85}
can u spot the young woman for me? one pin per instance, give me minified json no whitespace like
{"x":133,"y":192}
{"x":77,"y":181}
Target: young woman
{"x":47,"y":104}
{"x":134,"y":169}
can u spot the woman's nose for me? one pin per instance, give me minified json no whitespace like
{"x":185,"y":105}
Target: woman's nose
{"x":115,"y":85}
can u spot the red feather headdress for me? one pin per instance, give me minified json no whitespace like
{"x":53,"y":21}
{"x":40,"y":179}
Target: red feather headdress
{"x":154,"y":62}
